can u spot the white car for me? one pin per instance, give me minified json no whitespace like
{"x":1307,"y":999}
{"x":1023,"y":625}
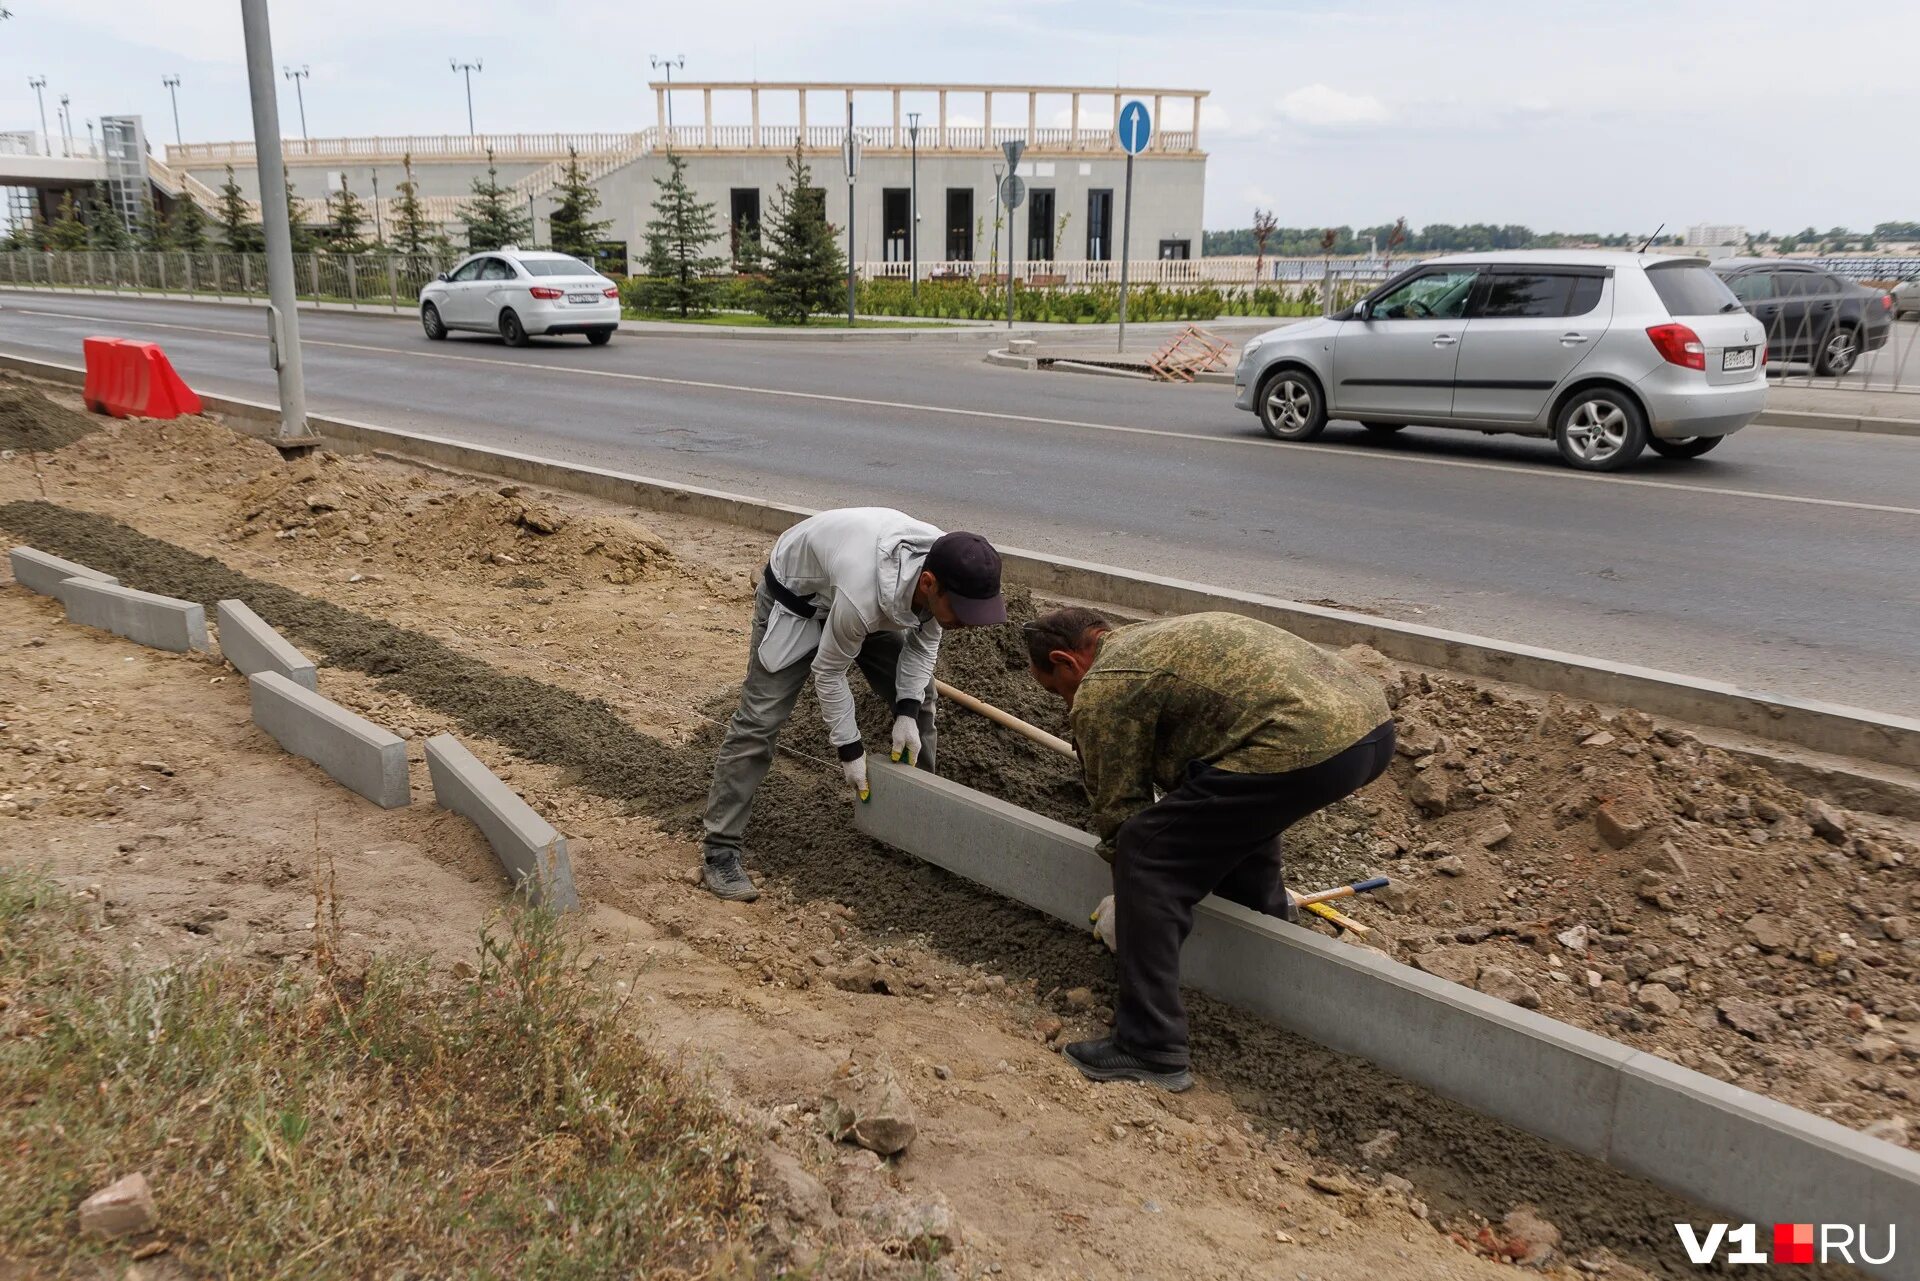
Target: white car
{"x":519,"y":293}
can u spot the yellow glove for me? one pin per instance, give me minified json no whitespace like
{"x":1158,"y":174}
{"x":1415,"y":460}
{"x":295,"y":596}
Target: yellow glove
{"x":1102,"y":920}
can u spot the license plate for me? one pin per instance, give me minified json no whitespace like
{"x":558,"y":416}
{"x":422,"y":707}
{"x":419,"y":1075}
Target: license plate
{"x":596,"y":298}
{"x":1741,"y":358}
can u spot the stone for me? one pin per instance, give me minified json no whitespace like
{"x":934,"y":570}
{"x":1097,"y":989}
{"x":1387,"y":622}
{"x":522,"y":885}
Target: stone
{"x":1503,"y":984}
{"x":1380,"y":1146}
{"x":1415,"y":739}
{"x":1671,"y":976}
{"x":1600,"y":738}
{"x":1617,"y":829}
{"x":1451,"y":865}
{"x":1769,"y":933}
{"x":786,"y":1185}
{"x":922,"y":1230}
{"x":869,"y":1106}
{"x":1575,"y":939}
{"x":1431,"y":792}
{"x":1048,"y":1027}
{"x":1750,"y":1018}
{"x":1494,"y":835}
{"x":1891,"y":1129}
{"x":1332,"y":1184}
{"x":1079,"y":999}
{"x":120,"y":1209}
{"x":864,"y":977}
{"x":1877,"y":1049}
{"x":1531,"y":1239}
{"x":1657,"y":998}
{"x":1828,"y":823}
{"x":1897,"y":928}
{"x":1452,"y":964}
{"x":1397,"y":1183}
{"x":1666,"y":861}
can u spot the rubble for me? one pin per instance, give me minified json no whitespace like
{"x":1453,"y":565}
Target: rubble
{"x":869,"y":1105}
{"x":122,"y":1208}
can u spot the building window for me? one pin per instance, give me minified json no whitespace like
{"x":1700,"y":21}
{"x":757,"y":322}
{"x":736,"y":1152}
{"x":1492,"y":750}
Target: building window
{"x":1040,"y":224}
{"x":743,"y":218}
{"x":1179,"y":250}
{"x":959,"y":224}
{"x":1100,"y":224}
{"x":896,"y":205}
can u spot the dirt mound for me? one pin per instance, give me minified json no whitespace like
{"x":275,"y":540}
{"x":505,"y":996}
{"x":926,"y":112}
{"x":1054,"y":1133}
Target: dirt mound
{"x":326,"y":501}
{"x":29,"y":421}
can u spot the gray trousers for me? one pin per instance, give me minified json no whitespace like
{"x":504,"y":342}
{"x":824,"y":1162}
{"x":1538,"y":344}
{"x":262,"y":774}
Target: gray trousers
{"x":766,"y":701}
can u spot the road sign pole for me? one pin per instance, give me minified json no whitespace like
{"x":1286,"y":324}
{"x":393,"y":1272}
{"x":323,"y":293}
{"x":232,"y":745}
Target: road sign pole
{"x":283,"y":316}
{"x":1126,"y":244}
{"x":853,"y":164}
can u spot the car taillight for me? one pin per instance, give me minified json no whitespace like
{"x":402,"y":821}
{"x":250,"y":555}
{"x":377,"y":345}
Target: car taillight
{"x":1678,"y":345}
{"x":547,"y":292}
{"x":611,"y":292}
{"x":1886,"y":302}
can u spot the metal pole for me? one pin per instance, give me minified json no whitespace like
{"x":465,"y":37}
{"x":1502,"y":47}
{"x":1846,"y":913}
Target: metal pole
{"x":66,"y":127}
{"x":298,"y":92}
{"x":1126,"y":250}
{"x":283,"y":316}
{"x":173,"y":91}
{"x":467,"y":69}
{"x":850,"y":275}
{"x":39,"y":84}
{"x":1012,"y":211}
{"x":379,"y":234}
{"x":913,"y":203}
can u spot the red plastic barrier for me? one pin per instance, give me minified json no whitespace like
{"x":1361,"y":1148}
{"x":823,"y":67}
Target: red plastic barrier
{"x":134,"y":379}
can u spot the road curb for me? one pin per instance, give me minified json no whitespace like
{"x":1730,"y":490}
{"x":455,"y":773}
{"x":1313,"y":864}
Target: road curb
{"x":531,"y":852}
{"x":357,"y":754}
{"x":158,"y":622}
{"x":1817,"y":726}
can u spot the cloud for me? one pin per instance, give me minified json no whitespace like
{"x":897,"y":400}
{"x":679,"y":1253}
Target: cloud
{"x":1324,"y":107}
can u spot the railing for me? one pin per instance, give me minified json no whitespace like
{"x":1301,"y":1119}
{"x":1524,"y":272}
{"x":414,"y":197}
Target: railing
{"x":21,"y":143}
{"x":1195,"y":272}
{"x":884,"y":137}
{"x":504,"y":145}
{"x":361,"y":280}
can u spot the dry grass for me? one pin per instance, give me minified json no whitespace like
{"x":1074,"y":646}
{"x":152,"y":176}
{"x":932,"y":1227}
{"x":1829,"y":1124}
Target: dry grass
{"x":311,"y":1122}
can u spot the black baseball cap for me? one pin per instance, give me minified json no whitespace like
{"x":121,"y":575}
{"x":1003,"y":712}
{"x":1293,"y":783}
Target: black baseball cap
{"x":968,"y":570}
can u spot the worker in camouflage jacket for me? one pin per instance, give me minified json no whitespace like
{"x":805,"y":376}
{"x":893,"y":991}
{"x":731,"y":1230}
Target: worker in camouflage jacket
{"x":1240,"y":730}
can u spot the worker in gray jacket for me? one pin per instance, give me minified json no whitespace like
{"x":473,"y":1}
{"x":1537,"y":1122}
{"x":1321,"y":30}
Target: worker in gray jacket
{"x":863,"y":586}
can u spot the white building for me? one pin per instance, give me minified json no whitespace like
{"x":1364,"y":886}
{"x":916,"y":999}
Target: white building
{"x":737,"y":137}
{"x":1712,"y":235}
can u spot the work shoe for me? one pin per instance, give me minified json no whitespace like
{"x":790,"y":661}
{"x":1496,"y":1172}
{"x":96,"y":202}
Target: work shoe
{"x":1102,"y":1060}
{"x":728,"y":880}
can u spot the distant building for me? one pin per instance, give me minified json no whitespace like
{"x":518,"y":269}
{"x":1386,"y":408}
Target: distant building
{"x":1711,"y":235}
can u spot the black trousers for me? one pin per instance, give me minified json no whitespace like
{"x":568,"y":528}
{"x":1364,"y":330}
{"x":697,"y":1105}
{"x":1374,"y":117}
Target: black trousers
{"x":1217,"y":833}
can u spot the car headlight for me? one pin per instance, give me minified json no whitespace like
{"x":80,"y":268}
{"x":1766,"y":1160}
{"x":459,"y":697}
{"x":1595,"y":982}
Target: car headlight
{"x":1252,"y":345}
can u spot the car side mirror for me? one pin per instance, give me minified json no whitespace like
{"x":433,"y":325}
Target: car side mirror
{"x":441,"y":276}
{"x":1363,"y":310}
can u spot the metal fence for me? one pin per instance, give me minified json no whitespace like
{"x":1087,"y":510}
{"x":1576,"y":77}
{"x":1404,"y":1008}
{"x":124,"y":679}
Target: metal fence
{"x":1824,"y":342}
{"x":360,"y":280}
{"x":1195,"y":272}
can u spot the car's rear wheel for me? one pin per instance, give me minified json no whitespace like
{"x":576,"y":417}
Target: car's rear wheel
{"x":600,"y":337}
{"x":1384,"y":429}
{"x":1839,"y":352}
{"x":430,"y":321}
{"x":512,"y":330}
{"x":1292,"y":406}
{"x":1600,"y":430}
{"x":1685,"y":447}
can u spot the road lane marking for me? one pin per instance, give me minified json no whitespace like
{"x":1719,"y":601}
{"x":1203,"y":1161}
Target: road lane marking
{"x":1337,"y":451}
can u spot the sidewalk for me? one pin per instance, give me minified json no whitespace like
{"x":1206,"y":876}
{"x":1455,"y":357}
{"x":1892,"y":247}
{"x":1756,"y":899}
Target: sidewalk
{"x":1888,"y":413}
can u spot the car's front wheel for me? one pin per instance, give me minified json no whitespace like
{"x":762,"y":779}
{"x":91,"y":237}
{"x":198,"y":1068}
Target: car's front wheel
{"x":1600,"y":430}
{"x":511,"y":330}
{"x":1292,"y":406}
{"x":1685,"y":447}
{"x":430,"y":321}
{"x":1839,"y":352}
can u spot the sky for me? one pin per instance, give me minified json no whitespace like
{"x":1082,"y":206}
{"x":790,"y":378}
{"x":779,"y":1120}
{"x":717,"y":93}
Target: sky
{"x":1567,"y":116}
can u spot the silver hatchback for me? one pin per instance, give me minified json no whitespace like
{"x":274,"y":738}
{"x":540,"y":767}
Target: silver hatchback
{"x":1605,"y":353}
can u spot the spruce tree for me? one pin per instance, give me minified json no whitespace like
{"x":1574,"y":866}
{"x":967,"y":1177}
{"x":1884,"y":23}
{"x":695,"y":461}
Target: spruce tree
{"x":297,"y":231}
{"x":413,"y":235}
{"x":240,"y":234}
{"x":153,"y":228}
{"x":570,"y":228}
{"x":67,"y":234}
{"x":187,"y":225}
{"x":492,"y":216}
{"x":804,"y":271}
{"x":106,"y":230}
{"x":681,"y":276}
{"x":349,"y":220}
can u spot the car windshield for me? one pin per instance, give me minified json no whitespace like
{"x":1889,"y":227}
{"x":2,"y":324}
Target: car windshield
{"x":556,"y":267}
{"x":1692,"y":290}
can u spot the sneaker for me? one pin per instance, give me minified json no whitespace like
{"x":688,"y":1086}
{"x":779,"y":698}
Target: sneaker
{"x":728,"y":880}
{"x":1104,"y":1061}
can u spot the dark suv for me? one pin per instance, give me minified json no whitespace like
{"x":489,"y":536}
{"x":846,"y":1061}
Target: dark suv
{"x":1812,"y":316}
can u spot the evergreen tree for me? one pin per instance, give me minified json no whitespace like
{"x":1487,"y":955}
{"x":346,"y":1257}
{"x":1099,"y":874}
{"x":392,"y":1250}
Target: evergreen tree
{"x":349,"y":220}
{"x":569,"y":227}
{"x":239,"y":234}
{"x":804,"y":270}
{"x":493,"y":218}
{"x":153,"y":228}
{"x":106,"y":230}
{"x":680,"y":276}
{"x":412,"y":233}
{"x":187,"y":225}
{"x":297,"y":229}
{"x":68,"y":234}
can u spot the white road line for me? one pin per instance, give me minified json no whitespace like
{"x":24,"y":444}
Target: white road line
{"x":996,"y":416}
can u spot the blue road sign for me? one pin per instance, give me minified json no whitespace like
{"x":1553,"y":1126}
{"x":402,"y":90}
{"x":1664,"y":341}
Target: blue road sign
{"x":1135,"y":128}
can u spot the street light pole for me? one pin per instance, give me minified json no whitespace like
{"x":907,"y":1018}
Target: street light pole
{"x":299,"y":93}
{"x":850,"y":156}
{"x":379,"y":235}
{"x":467,"y":69}
{"x":913,"y":202}
{"x":283,"y":316}
{"x":173,"y":91}
{"x":66,"y":128}
{"x":667,"y":65}
{"x":39,"y":84}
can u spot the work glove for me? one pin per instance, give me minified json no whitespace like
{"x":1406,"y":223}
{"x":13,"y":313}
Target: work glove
{"x":906,"y":739}
{"x":1102,"y":919}
{"x":856,"y":772}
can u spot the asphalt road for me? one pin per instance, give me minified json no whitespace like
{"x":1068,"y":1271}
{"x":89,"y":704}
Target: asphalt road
{"x":1785,"y":561}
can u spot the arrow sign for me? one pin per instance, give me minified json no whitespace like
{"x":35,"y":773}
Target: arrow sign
{"x":1135,"y":128}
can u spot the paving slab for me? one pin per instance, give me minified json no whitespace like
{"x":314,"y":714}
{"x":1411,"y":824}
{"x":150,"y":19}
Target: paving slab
{"x":354,"y":752}
{"x":251,"y":644}
{"x":531,"y":850}
{"x":159,"y":621}
{"x":38,"y":572}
